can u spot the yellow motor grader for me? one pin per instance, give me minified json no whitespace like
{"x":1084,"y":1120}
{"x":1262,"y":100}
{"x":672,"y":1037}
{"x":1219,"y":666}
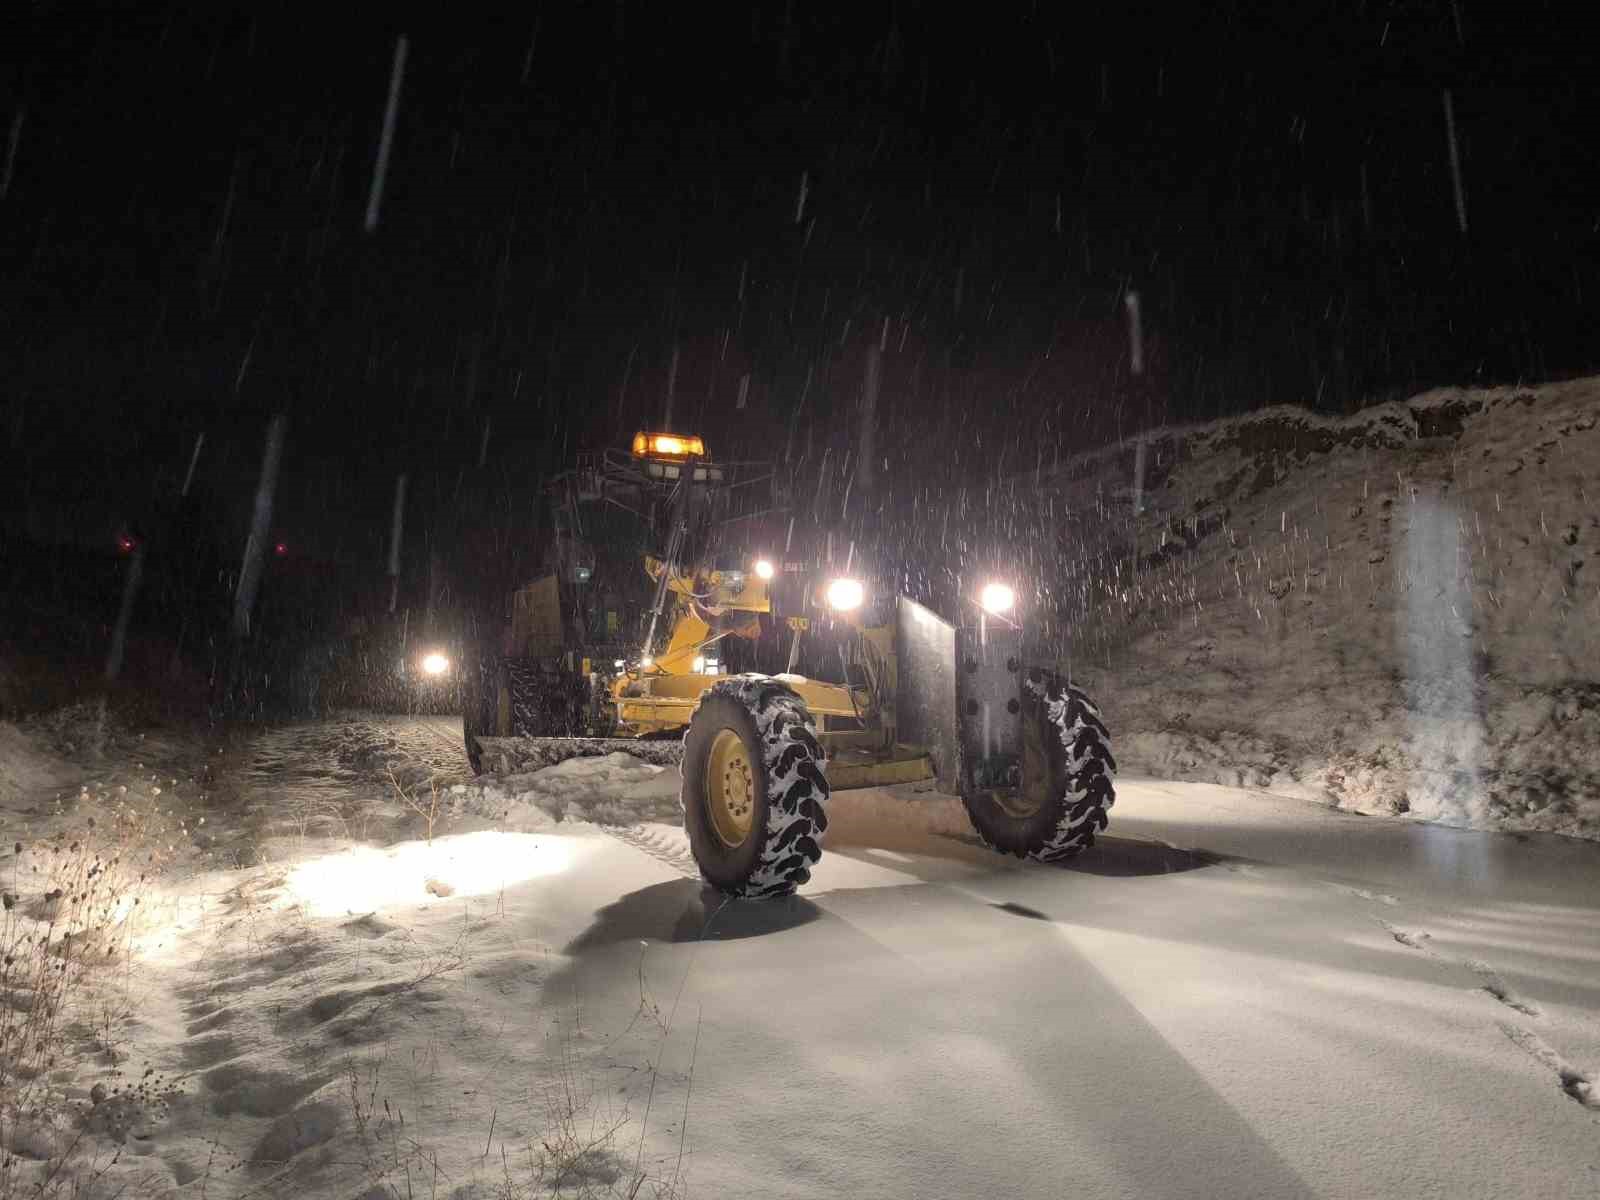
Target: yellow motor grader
{"x":770,"y":674}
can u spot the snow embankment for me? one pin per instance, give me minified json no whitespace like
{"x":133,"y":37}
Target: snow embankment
{"x":1392,"y":612}
{"x":25,"y":769}
{"x":613,"y":789}
{"x":243,"y":996}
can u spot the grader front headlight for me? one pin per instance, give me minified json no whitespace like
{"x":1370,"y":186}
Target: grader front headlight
{"x":997,"y":598}
{"x":763,"y":569}
{"x":845,"y":595}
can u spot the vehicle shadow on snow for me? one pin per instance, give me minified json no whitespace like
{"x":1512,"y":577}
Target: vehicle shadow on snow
{"x":1130,"y":856}
{"x":685,"y":910}
{"x":936,"y":826}
{"x":1120,"y":857}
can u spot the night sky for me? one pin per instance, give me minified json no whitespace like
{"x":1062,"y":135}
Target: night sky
{"x":579,"y":194}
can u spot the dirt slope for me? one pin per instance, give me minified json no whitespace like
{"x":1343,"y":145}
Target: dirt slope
{"x":1394,"y":611}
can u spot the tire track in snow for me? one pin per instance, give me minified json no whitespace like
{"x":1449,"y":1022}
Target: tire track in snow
{"x":438,"y":738}
{"x":661,"y":843}
{"x":657,"y":841}
{"x":452,"y":746}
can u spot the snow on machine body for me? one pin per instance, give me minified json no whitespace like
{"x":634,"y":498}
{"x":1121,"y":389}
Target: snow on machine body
{"x":862,"y":686}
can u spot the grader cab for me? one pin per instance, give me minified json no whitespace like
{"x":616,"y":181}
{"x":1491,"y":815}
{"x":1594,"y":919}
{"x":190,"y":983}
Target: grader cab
{"x":772,"y":674}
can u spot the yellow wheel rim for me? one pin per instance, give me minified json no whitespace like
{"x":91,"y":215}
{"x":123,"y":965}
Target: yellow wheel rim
{"x":730,"y":789}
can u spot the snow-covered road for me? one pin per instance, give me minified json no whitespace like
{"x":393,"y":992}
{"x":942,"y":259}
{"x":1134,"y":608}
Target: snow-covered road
{"x":1235,"y":994}
{"x":1297,"y":1002}
{"x":1232,"y":995}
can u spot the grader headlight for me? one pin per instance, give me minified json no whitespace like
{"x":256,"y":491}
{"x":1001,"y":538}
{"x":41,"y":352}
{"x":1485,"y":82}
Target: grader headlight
{"x":763,"y":569}
{"x":844,"y":595}
{"x":997,"y":598}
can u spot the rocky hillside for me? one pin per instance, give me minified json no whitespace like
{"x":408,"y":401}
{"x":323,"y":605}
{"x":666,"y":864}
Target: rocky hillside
{"x":1395,"y":611}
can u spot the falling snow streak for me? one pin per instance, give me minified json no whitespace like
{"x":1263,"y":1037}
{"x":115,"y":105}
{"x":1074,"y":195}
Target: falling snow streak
{"x":1135,"y":334}
{"x":130,"y":595}
{"x":260,"y":526}
{"x":1455,"y":161}
{"x":396,"y":527}
{"x":12,"y":143}
{"x":194,"y":460}
{"x":380,"y":169}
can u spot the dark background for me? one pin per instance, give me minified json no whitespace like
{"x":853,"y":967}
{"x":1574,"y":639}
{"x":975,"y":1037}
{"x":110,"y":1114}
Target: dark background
{"x":579,"y":193}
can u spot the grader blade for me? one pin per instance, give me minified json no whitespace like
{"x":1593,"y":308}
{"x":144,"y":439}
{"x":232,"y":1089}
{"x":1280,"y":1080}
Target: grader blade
{"x":989,"y":708}
{"x":925,"y":693}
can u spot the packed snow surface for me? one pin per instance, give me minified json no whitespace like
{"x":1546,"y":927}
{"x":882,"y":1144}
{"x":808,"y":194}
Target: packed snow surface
{"x":1232,"y":994}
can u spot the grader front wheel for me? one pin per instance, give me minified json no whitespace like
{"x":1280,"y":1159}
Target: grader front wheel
{"x":730,"y":788}
{"x":754,"y":794}
{"x":1067,"y":771}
